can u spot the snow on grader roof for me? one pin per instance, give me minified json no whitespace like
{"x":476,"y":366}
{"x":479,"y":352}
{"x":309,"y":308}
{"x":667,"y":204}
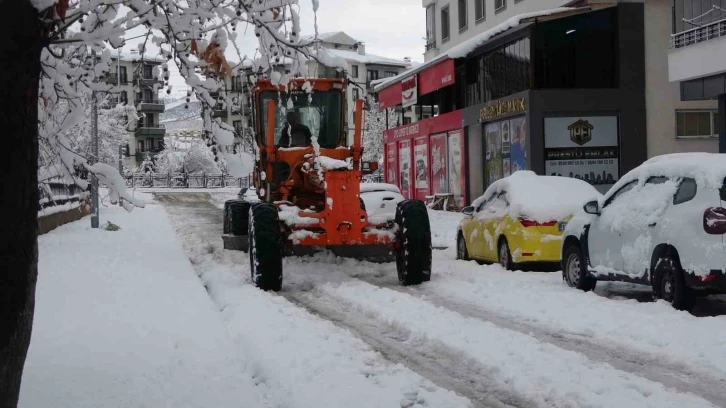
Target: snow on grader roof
{"x":310,"y":190}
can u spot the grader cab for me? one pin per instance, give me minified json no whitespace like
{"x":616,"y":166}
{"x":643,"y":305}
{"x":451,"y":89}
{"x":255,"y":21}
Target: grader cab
{"x":308,"y":183}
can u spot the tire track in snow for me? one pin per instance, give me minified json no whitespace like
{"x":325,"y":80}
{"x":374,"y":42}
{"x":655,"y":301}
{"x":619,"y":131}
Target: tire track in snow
{"x":677,"y":376}
{"x":436,"y":362}
{"x":198,"y":223}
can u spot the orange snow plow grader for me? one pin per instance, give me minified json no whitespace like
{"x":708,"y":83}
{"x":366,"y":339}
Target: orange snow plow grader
{"x":308,"y":189}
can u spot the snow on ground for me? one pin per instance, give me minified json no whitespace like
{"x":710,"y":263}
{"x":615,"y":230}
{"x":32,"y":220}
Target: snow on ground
{"x":443,"y":228}
{"x":542,"y":299}
{"x":307,"y":361}
{"x":543,"y":373}
{"x":121,"y":320}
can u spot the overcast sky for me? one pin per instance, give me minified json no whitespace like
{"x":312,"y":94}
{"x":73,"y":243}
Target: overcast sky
{"x":389,"y":28}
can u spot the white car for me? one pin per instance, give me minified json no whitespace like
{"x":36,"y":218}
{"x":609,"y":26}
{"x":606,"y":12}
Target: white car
{"x":380,"y":198}
{"x":662,"y":224}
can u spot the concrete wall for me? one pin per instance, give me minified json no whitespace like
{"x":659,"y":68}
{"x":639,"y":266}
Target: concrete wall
{"x":663,"y":97}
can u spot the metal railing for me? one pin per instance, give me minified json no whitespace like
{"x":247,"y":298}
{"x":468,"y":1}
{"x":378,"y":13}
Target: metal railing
{"x":184,"y":180}
{"x":699,"y":34}
{"x":152,"y":126}
{"x":56,"y":192}
{"x":149,"y":100}
{"x":431,"y":45}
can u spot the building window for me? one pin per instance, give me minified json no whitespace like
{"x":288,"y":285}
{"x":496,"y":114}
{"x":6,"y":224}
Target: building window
{"x":140,"y":146}
{"x":372,"y":75}
{"x":160,"y":144}
{"x":236,"y":83}
{"x":696,"y":124}
{"x":462,"y":15}
{"x":237,"y":124}
{"x":123,"y":77}
{"x":445,"y":24}
{"x":500,"y":5}
{"x":356,"y":94}
{"x":390,"y":74}
{"x":123,"y":97}
{"x":430,"y":27}
{"x":479,"y":11}
{"x":148,"y":71}
{"x":355,"y":71}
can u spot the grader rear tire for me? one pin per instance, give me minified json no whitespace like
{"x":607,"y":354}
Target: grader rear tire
{"x":413,"y":258}
{"x":265,"y":247}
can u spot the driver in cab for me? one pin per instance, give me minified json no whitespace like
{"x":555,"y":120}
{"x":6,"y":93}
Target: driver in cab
{"x":295,"y":134}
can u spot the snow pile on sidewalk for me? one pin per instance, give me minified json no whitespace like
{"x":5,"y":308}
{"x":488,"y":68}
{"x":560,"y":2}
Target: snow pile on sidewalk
{"x":444,"y":225}
{"x":122,"y":320}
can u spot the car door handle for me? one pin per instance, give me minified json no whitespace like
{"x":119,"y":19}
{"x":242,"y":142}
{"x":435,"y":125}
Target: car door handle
{"x":652,"y":225}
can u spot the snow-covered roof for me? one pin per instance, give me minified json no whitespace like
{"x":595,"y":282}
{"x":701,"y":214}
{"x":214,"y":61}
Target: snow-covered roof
{"x":332,"y":36}
{"x":366,"y":58}
{"x":465,"y":48}
{"x":708,"y":169}
{"x":128,"y":56}
{"x":541,"y":198}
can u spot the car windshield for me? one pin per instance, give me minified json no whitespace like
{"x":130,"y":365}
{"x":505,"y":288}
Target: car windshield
{"x":317,"y":115}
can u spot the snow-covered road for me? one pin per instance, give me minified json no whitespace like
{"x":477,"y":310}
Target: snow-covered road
{"x":474,"y":336}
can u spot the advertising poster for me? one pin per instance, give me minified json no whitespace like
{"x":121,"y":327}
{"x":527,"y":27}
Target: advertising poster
{"x":583,"y":147}
{"x":439,"y":179}
{"x":518,"y":150}
{"x":421,"y":167}
{"x":391,"y":164}
{"x":457,"y":169}
{"x":404,"y":165}
{"x":492,"y":132}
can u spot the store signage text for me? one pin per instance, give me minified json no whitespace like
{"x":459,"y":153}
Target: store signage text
{"x":502,"y":108}
{"x":410,"y":130}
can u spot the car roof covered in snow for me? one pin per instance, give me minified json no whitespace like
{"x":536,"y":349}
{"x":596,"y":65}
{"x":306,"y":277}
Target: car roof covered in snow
{"x":708,"y":169}
{"x":541,"y":198}
{"x":370,"y":187}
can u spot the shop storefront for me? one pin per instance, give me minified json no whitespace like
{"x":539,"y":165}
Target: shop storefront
{"x":427,"y":158}
{"x":527,"y":105}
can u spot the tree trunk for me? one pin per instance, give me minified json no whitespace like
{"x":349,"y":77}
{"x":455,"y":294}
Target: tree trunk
{"x":20,"y":49}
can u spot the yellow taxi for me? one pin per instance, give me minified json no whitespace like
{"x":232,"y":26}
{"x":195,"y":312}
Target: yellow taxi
{"x":520,"y":219}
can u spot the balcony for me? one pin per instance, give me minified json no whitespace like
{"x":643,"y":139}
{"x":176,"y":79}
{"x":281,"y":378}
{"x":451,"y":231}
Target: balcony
{"x":698,"y":52}
{"x":150,"y":105}
{"x":431,"y":45}
{"x":148,"y":81}
{"x":113,"y":79}
{"x":150,"y":130}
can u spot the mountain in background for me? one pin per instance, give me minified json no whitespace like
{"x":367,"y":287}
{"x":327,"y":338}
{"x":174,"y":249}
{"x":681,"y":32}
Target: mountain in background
{"x":177,"y":118}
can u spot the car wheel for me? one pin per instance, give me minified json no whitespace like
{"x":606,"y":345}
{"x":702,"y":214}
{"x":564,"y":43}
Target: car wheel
{"x":575,"y":271}
{"x":461,"y":252}
{"x":672,"y":286}
{"x":505,"y":256}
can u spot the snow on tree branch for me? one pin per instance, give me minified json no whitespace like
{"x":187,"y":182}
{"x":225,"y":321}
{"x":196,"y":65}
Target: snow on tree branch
{"x":375,"y":124}
{"x":193,"y":34}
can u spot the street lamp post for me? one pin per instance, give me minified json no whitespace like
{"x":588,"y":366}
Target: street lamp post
{"x":94,"y":146}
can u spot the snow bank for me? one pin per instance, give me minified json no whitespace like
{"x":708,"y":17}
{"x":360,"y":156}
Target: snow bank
{"x":545,"y":374}
{"x":121,"y":320}
{"x":444,"y":227}
{"x":541,"y":198}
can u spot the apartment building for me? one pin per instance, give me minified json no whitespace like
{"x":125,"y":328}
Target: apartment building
{"x":134,"y":75}
{"x":233,"y":106}
{"x":696,"y":67}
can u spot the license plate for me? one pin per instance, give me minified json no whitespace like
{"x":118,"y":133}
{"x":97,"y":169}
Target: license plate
{"x":561,"y":226}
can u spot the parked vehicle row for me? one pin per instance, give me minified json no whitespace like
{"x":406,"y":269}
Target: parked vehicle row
{"x":662,"y":225}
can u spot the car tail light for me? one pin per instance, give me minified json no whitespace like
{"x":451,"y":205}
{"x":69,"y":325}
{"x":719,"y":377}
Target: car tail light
{"x":529,"y":223}
{"x":714,"y":220}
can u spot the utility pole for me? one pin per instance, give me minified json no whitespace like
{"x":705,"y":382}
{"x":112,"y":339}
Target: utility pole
{"x":94,"y":145}
{"x":121,"y":168}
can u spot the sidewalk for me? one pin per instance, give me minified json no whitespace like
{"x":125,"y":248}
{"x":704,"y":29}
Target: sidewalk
{"x":122,"y":320}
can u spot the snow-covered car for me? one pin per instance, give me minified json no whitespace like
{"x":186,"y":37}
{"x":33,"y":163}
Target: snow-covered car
{"x":662,"y":225}
{"x":380,"y":198}
{"x":249,"y":195}
{"x":520,"y":219}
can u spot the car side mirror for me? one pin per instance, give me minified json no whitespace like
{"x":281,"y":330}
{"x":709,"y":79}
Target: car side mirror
{"x":593,"y":207}
{"x":468,"y":211}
